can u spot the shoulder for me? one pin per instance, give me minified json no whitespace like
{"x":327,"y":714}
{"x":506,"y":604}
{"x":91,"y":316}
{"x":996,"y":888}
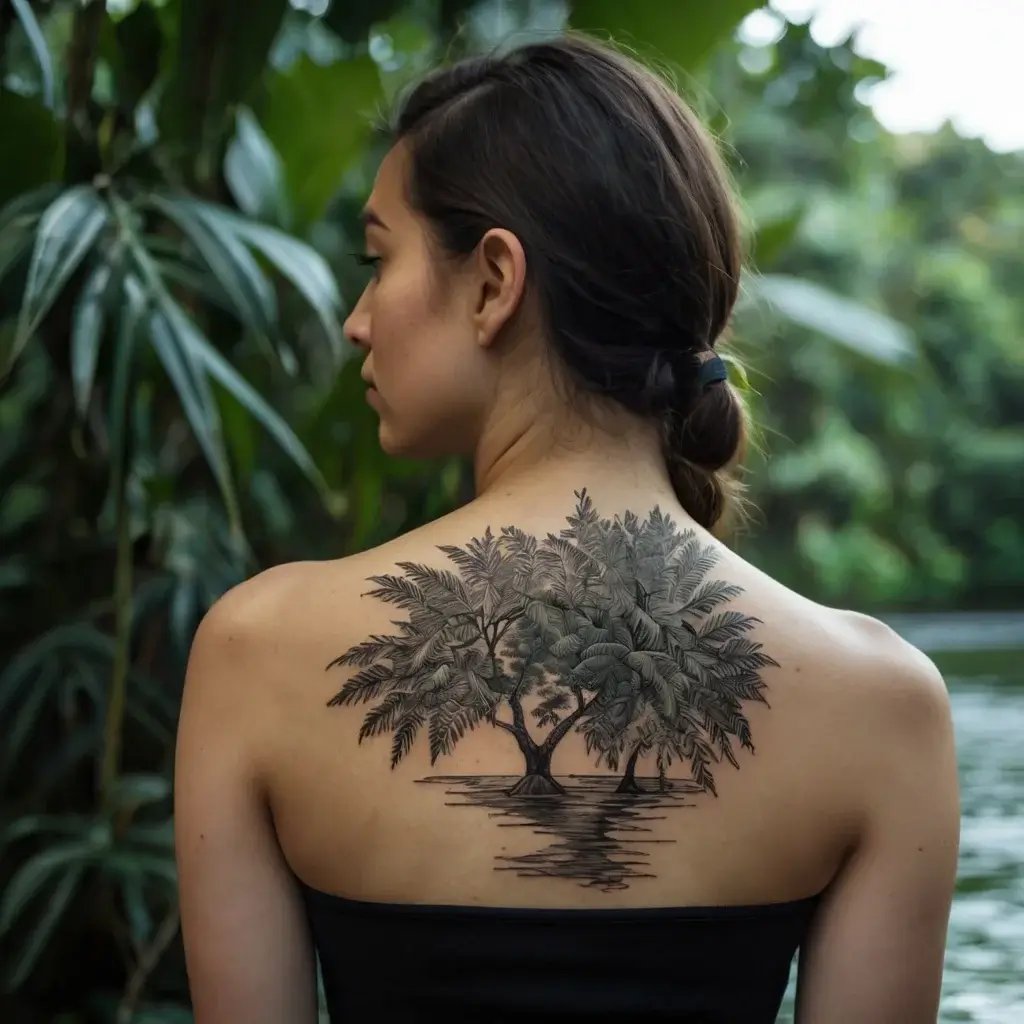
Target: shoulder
{"x":286,"y":613}
{"x":264,"y":631}
{"x":896,"y":677}
{"x":248,"y":610}
{"x":896,"y":713}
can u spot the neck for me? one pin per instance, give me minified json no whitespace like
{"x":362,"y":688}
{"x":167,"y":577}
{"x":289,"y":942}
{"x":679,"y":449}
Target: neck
{"x":527,"y":445}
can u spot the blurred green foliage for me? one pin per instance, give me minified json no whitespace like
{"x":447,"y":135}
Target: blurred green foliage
{"x":178,"y":407}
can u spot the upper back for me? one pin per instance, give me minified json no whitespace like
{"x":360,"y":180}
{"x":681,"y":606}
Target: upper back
{"x":561,"y":705}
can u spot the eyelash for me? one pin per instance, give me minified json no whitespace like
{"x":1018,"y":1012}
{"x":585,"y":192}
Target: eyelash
{"x":364,"y":259}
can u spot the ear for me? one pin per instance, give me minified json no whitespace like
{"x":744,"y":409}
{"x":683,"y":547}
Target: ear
{"x":501,"y":280}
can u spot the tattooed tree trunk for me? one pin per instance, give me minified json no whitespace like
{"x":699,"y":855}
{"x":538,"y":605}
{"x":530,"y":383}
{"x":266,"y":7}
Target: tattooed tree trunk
{"x":537,"y":781}
{"x":628,"y":783}
{"x":538,"y":769}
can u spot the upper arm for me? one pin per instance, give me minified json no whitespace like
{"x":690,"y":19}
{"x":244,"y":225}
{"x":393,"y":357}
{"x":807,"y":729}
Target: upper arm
{"x":247,"y":946}
{"x":876,"y":950}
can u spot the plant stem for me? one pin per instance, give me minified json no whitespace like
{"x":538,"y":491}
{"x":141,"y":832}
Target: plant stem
{"x":145,"y":966}
{"x":122,"y":643}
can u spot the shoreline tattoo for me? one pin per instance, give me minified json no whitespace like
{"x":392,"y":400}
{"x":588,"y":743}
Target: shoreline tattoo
{"x":616,"y":633}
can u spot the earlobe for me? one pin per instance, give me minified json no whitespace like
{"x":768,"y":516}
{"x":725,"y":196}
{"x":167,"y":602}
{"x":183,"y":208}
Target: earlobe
{"x":502,"y":268}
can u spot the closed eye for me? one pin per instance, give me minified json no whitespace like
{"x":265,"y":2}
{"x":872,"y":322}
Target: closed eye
{"x":364,"y":259}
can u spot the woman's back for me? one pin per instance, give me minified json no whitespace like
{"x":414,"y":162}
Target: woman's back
{"x":560,"y":752}
{"x":400,"y":766}
{"x":403,"y":765}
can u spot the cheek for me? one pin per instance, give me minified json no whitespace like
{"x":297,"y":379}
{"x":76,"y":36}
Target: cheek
{"x":428,"y":370}
{"x":400,"y":315}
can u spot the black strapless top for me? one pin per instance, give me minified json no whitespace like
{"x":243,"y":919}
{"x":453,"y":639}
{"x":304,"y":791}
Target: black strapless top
{"x":491,"y":965}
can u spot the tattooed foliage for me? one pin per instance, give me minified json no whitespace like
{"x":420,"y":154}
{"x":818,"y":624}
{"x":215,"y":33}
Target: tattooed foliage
{"x":614,"y":627}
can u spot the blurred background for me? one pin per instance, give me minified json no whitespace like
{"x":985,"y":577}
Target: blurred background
{"x":180,"y":183}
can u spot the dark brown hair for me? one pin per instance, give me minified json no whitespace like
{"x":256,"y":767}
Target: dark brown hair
{"x":623,"y":207}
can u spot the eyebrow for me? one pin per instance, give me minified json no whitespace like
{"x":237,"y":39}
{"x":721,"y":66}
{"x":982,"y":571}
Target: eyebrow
{"x":371,"y":219}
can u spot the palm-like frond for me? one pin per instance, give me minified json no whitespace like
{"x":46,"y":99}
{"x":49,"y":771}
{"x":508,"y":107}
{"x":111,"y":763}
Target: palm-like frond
{"x":384,"y":715}
{"x":367,"y":652}
{"x":709,"y":596}
{"x":405,"y":733}
{"x":399,"y":590}
{"x":366,"y":685}
{"x":450,"y":723}
{"x":442,"y":589}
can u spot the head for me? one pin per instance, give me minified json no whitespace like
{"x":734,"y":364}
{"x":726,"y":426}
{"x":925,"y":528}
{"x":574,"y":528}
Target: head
{"x":554,"y":218}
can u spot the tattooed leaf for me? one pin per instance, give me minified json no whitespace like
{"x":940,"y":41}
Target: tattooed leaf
{"x":710,"y":596}
{"x":383,"y":717}
{"x":566,"y":646}
{"x":405,"y":734}
{"x":726,"y":625}
{"x":365,"y":685}
{"x":397,"y":590}
{"x":367,"y":652}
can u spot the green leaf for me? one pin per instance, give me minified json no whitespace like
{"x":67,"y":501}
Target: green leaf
{"x":120,"y":386}
{"x":35,"y":873}
{"x":40,"y":145}
{"x":20,"y":727}
{"x":45,"y":824}
{"x":237,"y":272}
{"x":139,"y":918}
{"x":140,"y":789}
{"x":76,"y":638}
{"x":37,"y":41}
{"x":773,"y":235}
{"x":158,"y":836}
{"x":683,"y":31}
{"x":221,"y":370}
{"x":87,"y":333}
{"x":41,"y":932}
{"x":67,"y":231}
{"x":254,"y":172}
{"x":318,"y":118}
{"x":300,"y":263}
{"x":18,"y":220}
{"x":849,"y":323}
{"x":121,"y":862}
{"x":169,"y":335}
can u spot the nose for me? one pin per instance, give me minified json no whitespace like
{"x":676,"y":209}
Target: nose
{"x":357,"y":324}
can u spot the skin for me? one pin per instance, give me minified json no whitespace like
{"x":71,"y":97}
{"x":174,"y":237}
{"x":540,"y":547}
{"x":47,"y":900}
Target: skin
{"x":852,"y":790}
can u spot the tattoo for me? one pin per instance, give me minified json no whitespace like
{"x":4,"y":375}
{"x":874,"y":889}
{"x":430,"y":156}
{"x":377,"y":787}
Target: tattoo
{"x":615,"y":632}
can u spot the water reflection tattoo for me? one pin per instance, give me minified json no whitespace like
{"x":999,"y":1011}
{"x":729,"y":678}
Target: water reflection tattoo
{"x":612,"y":630}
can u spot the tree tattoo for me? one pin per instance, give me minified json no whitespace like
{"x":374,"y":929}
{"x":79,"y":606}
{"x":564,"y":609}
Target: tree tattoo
{"x":614,"y":630}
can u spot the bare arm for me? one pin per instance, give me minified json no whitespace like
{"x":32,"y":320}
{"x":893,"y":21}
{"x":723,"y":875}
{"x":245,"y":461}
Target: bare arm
{"x":247,"y":946}
{"x":876,"y":951}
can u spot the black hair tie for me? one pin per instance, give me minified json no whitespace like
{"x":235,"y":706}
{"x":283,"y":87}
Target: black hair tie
{"x":712,"y":371}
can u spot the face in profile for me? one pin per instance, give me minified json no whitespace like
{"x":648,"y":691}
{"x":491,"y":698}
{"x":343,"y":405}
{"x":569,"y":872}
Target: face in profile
{"x":427,"y":374}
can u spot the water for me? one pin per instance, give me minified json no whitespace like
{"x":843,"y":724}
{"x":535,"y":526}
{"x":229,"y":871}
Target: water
{"x":984,"y":973}
{"x":984,"y":978}
{"x":590,"y":834}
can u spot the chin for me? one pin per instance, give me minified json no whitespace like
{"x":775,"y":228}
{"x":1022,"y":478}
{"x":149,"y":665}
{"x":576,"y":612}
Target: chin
{"x":398,"y":445}
{"x":414,"y":446}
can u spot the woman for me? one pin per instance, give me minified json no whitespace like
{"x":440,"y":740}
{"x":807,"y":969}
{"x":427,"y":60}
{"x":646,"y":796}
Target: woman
{"x":504,"y":766}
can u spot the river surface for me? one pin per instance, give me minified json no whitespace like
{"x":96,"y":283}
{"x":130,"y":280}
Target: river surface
{"x":984,"y":976}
